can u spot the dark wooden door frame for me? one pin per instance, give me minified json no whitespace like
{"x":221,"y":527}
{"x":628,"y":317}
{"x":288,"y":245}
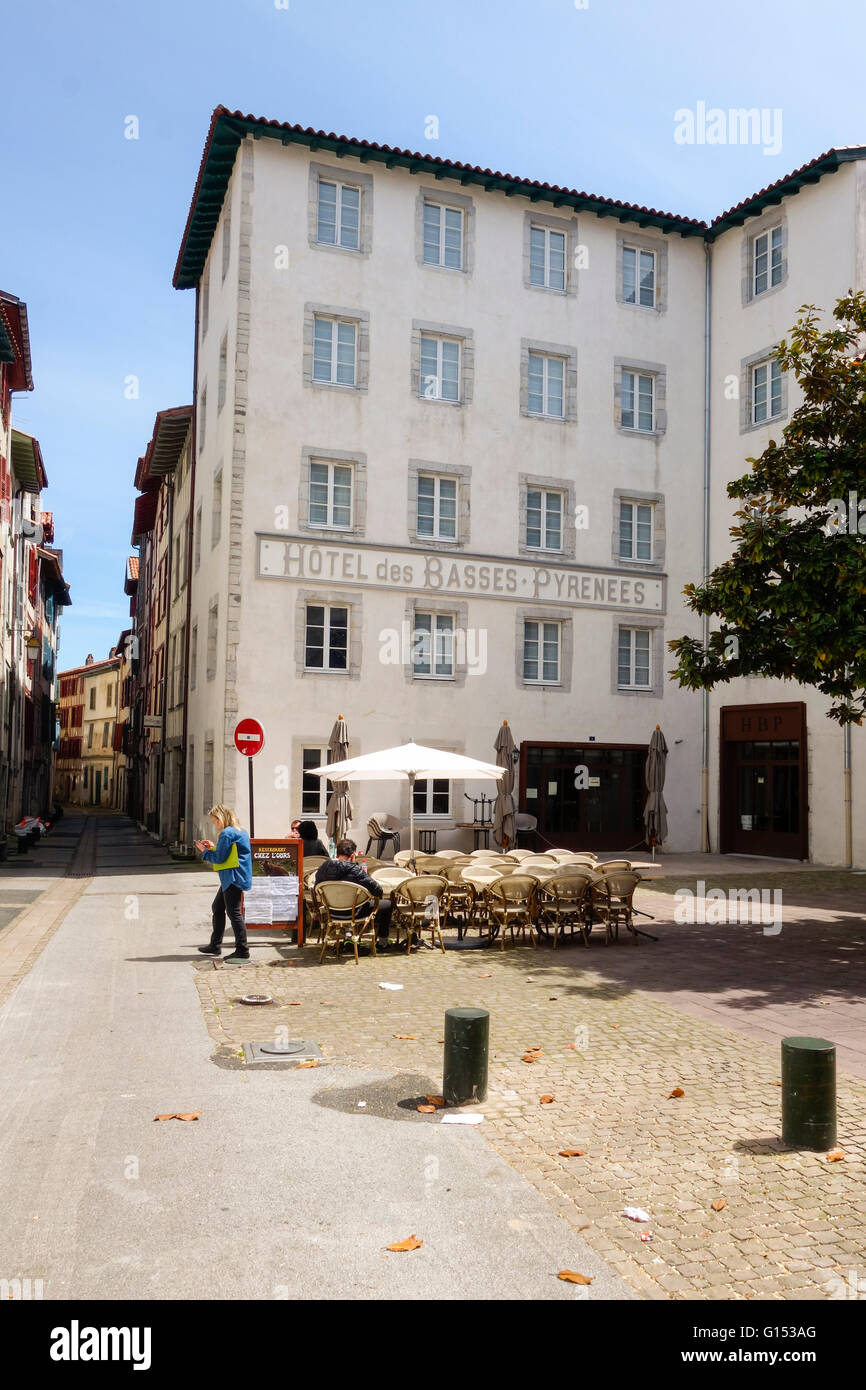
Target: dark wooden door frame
{"x":526,"y":744}
{"x":727,"y":780}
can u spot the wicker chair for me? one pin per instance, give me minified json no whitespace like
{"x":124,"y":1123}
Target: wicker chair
{"x":611,"y":896}
{"x":461,"y":899}
{"x":562,"y":905}
{"x":511,"y":906}
{"x":345,"y":914}
{"x":414,"y":911}
{"x":615,"y":866}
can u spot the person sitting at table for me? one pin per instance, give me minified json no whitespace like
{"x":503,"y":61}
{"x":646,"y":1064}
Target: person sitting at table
{"x":343,"y":869}
{"x":310,"y":841}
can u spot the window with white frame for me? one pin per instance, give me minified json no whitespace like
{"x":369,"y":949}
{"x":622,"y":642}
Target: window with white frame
{"x":437,"y":507}
{"x":766,"y":391}
{"x":330,"y":494}
{"x":433,"y":646}
{"x":633,"y":658}
{"x":339,"y":214}
{"x":443,"y":236}
{"x":767,"y":260}
{"x":334,"y":351}
{"x":638,"y":401}
{"x":635,"y":530}
{"x":314,"y":790}
{"x":440,"y":369}
{"x":222,"y":380}
{"x":326,"y":641}
{"x":544,"y":519}
{"x":546,"y":258}
{"x":202,"y":418}
{"x":638,"y":277}
{"x":227,"y":242}
{"x":431,"y":796}
{"x":542,"y":646}
{"x":546,"y":386}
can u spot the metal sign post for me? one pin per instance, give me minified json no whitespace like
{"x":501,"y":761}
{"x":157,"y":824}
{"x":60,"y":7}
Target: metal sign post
{"x":250,"y":740}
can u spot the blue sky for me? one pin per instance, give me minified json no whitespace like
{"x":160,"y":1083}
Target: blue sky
{"x":92,"y":221}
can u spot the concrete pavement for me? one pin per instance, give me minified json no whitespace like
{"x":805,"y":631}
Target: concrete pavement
{"x":277,"y":1191}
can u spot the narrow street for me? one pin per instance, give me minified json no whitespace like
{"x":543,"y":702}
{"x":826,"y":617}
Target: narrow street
{"x":273,"y":1193}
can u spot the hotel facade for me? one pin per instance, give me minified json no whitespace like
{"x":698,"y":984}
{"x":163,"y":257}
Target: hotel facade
{"x":459,"y":441}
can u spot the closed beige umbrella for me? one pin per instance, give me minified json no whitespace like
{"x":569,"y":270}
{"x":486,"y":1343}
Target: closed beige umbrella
{"x":504,"y":810}
{"x":339,"y":810}
{"x":655,"y":814}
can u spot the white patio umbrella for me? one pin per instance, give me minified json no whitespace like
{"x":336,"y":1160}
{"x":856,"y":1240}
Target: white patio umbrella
{"x":406,"y":764}
{"x":505,"y":810}
{"x":339,"y":809}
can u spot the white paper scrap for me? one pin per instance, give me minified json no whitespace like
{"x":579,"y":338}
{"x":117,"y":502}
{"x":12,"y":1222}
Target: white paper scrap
{"x":636,"y":1214}
{"x":462,"y":1119}
{"x":384,"y":985}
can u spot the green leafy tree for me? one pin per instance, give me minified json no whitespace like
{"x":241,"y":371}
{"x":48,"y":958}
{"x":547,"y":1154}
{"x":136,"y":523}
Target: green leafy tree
{"x":791,"y":599}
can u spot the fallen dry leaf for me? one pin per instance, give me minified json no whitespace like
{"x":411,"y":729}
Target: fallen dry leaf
{"x":571,"y":1153}
{"x":530,"y":1056}
{"x":546,"y":1100}
{"x":719,"y":1204}
{"x":571,"y":1276}
{"x":551,"y":997}
{"x":436,"y":1101}
{"x":193,"y":1116}
{"x":410,"y":1243}
{"x":407,"y":1037}
{"x":775,"y":1083}
{"x":530,"y":979}
{"x":426,"y":1109}
{"x":571,"y":1047}
{"x":302,"y":1066}
{"x":835,"y":1156}
{"x":676,"y":1093}
{"x":615,"y":1025}
{"x":486,"y":975}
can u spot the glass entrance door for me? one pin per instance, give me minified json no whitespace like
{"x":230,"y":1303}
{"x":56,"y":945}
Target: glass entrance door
{"x":585,"y":796}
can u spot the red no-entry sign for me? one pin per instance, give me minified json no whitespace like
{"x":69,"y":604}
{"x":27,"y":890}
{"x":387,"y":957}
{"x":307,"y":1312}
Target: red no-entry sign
{"x":249,"y":737}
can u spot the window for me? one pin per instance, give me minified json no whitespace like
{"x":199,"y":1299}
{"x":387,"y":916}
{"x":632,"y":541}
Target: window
{"x":205,"y":301}
{"x":105,"y":735}
{"x":109,"y":694}
{"x":314,"y":790}
{"x":90,"y":729}
{"x":546,"y":385}
{"x":334,"y":344}
{"x":339,"y":212}
{"x":633,"y":658}
{"x":433,"y":646}
{"x":212,"y":634}
{"x":202,"y":418}
{"x":440,"y":369}
{"x":197,"y":540}
{"x":638,"y":277}
{"x":541,"y":652}
{"x":93,"y":697}
{"x":543,"y":520}
{"x":223,"y":373}
{"x":193,"y":656}
{"x":638,"y":401}
{"x":432,"y":796}
{"x":227,"y":241}
{"x":546,"y":258}
{"x":216,"y":521}
{"x":327,"y":638}
{"x":635,"y":531}
{"x":330,"y":494}
{"x":443,"y":236}
{"x":766,"y":392}
{"x":767,"y":260}
{"x":437,"y":507}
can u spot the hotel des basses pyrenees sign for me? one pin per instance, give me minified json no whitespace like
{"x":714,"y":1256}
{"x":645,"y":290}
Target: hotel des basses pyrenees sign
{"x":372,"y":567}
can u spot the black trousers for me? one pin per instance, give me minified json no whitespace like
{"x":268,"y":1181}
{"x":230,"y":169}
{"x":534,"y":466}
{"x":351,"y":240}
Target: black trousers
{"x":228,"y":902}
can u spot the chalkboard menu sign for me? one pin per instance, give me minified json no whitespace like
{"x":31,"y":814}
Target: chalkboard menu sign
{"x":276,"y":897}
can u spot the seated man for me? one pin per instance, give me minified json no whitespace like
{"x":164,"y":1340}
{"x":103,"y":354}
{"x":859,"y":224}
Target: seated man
{"x":344,"y":869}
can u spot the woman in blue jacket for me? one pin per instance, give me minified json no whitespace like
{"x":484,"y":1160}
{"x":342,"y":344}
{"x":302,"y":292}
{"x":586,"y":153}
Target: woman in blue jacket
{"x":232,"y":859}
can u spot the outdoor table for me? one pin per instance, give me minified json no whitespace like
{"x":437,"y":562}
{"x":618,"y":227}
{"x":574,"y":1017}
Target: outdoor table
{"x":480,"y":831}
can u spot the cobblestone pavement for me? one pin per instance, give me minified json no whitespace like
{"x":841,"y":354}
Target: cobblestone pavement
{"x":613,"y":1048}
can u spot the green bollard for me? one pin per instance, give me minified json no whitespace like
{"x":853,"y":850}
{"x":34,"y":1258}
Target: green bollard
{"x":808,"y":1093}
{"x":464,"y":1076}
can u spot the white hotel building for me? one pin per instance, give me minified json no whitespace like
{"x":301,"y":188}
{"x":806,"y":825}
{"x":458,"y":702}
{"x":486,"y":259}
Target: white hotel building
{"x":453,"y":443}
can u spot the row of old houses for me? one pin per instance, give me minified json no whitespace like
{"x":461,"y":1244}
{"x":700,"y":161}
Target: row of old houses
{"x":33,"y":594}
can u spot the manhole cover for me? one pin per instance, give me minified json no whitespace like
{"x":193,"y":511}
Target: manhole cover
{"x":292,"y":1050}
{"x":257,"y":999}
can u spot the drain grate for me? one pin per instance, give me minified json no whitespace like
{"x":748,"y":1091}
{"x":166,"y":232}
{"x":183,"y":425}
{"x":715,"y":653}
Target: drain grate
{"x":293,"y":1050}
